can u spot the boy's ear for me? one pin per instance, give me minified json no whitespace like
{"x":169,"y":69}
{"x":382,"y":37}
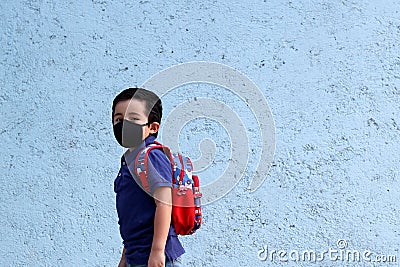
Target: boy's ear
{"x":154,"y":126}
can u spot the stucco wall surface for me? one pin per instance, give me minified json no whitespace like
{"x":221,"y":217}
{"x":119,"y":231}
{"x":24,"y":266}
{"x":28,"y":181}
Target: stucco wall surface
{"x":329,"y":70}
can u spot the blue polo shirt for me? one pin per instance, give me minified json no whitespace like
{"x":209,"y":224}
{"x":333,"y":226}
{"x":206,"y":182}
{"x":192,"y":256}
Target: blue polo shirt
{"x":136,"y":208}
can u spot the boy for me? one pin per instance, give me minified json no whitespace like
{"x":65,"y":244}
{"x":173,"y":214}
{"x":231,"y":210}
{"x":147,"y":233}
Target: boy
{"x":145,"y":219}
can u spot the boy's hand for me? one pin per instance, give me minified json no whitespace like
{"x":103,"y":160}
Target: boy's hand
{"x":122,"y":262}
{"x":156,"y":258}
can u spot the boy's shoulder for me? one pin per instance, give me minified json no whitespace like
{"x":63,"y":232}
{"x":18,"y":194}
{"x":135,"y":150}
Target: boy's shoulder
{"x":158,"y":158}
{"x":158,"y":170}
{"x":155,"y":147}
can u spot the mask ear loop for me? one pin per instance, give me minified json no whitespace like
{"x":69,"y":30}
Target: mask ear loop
{"x":144,"y":124}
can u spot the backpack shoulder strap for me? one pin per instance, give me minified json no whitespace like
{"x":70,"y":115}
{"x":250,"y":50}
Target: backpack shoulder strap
{"x":141,"y":163}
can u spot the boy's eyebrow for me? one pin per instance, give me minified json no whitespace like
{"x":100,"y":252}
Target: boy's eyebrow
{"x":130,"y":113}
{"x":133,"y":113}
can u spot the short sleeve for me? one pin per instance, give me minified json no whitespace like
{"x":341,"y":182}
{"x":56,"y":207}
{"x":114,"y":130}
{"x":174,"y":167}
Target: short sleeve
{"x":159,"y":170}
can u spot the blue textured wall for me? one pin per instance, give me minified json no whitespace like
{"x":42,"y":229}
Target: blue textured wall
{"x":330,"y":71}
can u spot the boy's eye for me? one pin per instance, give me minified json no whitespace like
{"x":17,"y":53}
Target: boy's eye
{"x":133,"y":119}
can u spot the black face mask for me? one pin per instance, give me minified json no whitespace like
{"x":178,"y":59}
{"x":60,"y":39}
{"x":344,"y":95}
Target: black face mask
{"x":128,"y":134}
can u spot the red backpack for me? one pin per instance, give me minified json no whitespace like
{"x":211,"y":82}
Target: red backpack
{"x":186,"y":204}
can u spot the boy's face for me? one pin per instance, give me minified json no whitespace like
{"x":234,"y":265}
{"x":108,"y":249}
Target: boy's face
{"x":134,"y":110}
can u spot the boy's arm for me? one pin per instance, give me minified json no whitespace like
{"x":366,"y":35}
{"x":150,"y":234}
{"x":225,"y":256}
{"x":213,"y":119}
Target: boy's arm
{"x":162,"y":221}
{"x":122,"y":262}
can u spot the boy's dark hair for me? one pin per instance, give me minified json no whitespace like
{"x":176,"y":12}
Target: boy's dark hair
{"x":153,"y":103}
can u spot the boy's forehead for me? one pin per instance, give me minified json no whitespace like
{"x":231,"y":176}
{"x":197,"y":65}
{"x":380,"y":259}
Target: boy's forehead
{"x":131,"y":106}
